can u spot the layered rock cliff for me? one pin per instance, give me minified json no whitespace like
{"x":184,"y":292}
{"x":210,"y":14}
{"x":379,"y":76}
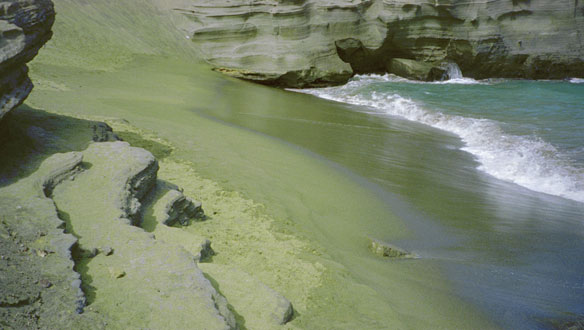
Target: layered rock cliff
{"x":25,"y":26}
{"x":314,"y":42}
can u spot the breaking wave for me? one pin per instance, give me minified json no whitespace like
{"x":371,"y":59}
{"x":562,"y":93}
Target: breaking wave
{"x":526,"y":161}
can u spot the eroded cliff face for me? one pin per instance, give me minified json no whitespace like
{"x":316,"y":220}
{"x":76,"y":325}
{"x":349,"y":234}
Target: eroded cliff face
{"x":317,"y":42}
{"x":25,"y":26}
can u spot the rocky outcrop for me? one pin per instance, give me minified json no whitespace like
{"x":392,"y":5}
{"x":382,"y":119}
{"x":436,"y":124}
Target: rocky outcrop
{"x":415,"y":69}
{"x":39,"y":287}
{"x":90,"y":237}
{"x":25,"y":26}
{"x":50,"y":277}
{"x":173,"y":206}
{"x":86,"y":239}
{"x":72,"y":254}
{"x":301,"y":43}
{"x":142,"y":281}
{"x":167,"y":206}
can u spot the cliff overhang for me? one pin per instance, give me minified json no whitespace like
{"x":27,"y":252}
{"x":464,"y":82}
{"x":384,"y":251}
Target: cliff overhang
{"x":25,"y":26}
{"x":306,"y":43}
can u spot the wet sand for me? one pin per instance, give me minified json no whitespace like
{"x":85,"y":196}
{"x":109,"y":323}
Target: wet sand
{"x":282,"y":213}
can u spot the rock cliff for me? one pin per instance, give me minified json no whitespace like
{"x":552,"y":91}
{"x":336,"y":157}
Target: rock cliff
{"x":25,"y":26}
{"x":319,"y":42}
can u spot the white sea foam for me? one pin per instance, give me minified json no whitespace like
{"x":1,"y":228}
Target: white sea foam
{"x":394,"y":78}
{"x":460,"y":81}
{"x":526,"y":161}
{"x":577,"y":80}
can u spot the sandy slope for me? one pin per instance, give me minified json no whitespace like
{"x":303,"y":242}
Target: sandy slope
{"x":296,"y":223}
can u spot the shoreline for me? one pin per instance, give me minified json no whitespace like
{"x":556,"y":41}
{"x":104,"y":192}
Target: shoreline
{"x":304,"y":208}
{"x":246,"y":238}
{"x":348,"y":278}
{"x":242,"y":235}
{"x":140,"y":187}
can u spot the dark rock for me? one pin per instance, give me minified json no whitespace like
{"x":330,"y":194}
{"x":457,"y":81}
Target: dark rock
{"x":170,"y":206}
{"x":25,"y":26}
{"x":102,"y":132}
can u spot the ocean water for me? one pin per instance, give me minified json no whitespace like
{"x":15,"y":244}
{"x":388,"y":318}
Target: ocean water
{"x":524,"y":132}
{"x":487,"y":177}
{"x":508,"y":185}
{"x":508,"y":239}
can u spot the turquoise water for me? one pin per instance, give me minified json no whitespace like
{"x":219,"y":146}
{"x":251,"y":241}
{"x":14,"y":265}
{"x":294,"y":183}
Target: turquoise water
{"x":488,"y":175}
{"x":524,"y":265}
{"x":525,"y":132}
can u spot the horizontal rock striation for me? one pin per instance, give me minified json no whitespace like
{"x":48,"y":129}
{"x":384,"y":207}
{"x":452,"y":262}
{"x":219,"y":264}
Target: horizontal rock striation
{"x":299,"y":43}
{"x":25,"y":26}
{"x":175,"y":207}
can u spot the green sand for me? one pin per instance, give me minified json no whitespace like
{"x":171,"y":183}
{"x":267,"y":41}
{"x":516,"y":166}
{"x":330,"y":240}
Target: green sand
{"x":294,"y":221}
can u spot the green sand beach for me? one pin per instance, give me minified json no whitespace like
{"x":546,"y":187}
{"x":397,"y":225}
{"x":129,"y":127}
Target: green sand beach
{"x":289,"y":218}
{"x":319,"y":212}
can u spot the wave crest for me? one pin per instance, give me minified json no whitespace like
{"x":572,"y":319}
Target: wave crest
{"x":526,"y":161}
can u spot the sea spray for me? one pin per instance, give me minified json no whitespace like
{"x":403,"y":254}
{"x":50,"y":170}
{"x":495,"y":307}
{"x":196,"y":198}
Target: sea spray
{"x":360,"y":80}
{"x":528,"y":161}
{"x":453,"y":71}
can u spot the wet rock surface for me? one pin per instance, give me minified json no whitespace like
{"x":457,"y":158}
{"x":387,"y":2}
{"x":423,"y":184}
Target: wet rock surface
{"x":314,"y":43}
{"x":417,"y":70}
{"x":386,"y":250}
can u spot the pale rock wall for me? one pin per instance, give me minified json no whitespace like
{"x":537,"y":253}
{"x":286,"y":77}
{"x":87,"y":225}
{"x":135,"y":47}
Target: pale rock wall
{"x":317,"y":42}
{"x":25,"y":26}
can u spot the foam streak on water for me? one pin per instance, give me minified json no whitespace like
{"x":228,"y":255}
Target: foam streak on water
{"x":525,"y":160}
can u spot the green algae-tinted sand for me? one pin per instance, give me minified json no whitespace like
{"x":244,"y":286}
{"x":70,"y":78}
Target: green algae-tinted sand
{"x":297,"y":222}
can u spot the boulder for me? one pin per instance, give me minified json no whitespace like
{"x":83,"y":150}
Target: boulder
{"x":167,"y":205}
{"x":102,"y":132}
{"x":175,"y":207}
{"x":417,"y":70}
{"x":387,"y":250}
